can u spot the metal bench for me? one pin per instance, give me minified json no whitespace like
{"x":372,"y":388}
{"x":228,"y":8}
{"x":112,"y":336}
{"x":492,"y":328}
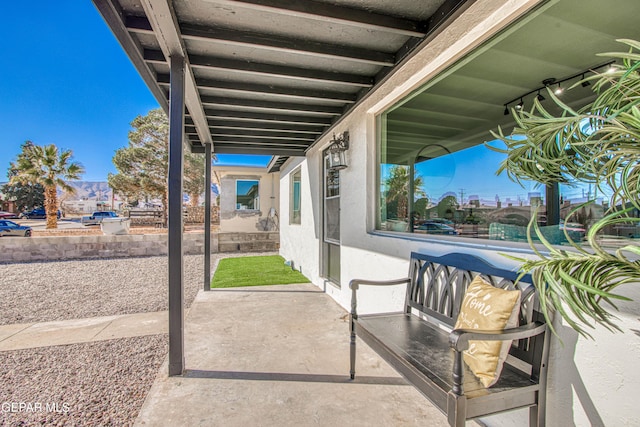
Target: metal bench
{"x":420,"y":342}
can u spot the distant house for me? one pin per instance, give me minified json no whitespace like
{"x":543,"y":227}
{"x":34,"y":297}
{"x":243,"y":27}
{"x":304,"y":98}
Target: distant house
{"x":6,"y":205}
{"x":249,"y":198}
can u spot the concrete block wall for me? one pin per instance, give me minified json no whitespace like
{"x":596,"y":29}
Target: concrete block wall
{"x":265,"y":241}
{"x":20,"y":249}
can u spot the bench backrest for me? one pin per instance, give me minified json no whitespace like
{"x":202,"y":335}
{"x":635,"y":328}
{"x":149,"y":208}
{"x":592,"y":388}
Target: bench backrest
{"x":438,"y":284}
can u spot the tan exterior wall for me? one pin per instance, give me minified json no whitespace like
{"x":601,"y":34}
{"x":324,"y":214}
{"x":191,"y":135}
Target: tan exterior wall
{"x":247,"y":220}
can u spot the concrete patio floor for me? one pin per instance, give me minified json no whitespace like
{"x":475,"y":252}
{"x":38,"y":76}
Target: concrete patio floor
{"x":279,"y":356}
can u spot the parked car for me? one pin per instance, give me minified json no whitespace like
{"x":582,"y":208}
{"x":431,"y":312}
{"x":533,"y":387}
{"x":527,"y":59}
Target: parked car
{"x":6,"y":215}
{"x":10,"y":228}
{"x":436,"y":228}
{"x":97,"y":217}
{"x":37,"y":213}
{"x":576,"y":231}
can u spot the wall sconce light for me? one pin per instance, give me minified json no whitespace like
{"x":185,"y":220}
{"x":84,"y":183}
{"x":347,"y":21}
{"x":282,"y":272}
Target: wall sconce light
{"x":337,"y":151}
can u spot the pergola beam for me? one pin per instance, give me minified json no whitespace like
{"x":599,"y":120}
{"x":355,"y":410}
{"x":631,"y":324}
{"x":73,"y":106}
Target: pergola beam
{"x":271,"y":42}
{"x":259,"y":141}
{"x":328,"y":110}
{"x":254,"y":68}
{"x":279,"y":44}
{"x":214,"y":113}
{"x":244,"y":124}
{"x":329,"y":13}
{"x":263,"y":135}
{"x":260,"y":150}
{"x":289,"y":92}
{"x":112,"y":15}
{"x":165,"y":26}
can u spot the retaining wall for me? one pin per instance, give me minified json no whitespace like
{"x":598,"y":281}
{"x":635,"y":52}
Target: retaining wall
{"x":21,"y":249}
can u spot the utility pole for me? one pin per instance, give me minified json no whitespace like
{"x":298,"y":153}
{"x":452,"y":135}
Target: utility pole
{"x":461,"y":196}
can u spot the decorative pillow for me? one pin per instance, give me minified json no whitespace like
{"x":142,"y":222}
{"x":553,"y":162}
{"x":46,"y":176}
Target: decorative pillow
{"x":488,"y":308}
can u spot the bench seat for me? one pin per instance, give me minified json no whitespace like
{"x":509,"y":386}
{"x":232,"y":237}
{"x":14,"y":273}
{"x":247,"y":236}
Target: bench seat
{"x":418,"y":349}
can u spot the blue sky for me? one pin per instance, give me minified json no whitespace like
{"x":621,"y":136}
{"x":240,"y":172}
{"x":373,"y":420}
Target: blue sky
{"x":65,"y":80}
{"x":472,"y":173}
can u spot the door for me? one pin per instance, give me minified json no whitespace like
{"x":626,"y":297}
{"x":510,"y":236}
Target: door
{"x":331,"y":224}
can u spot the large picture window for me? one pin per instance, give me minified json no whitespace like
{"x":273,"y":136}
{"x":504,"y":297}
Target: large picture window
{"x":247,"y":194}
{"x":294,"y":197}
{"x":436,"y":167}
{"x":452,"y":190}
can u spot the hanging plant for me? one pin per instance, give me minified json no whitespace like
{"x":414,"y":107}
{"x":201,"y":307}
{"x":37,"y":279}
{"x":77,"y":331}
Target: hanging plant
{"x":580,"y":284}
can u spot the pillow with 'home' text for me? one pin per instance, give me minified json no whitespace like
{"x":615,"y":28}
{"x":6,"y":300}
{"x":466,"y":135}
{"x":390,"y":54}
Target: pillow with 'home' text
{"x":488,"y":308}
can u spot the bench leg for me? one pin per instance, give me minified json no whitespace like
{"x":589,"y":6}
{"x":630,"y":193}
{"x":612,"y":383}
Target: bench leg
{"x":533,"y":416}
{"x":456,"y":410}
{"x":537,"y":412}
{"x":352,"y":348}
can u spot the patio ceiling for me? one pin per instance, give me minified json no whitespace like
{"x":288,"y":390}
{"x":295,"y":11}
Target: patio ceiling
{"x":271,"y":76}
{"x":460,"y":107}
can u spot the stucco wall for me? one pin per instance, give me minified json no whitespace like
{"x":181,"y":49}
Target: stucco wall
{"x":234,"y":220}
{"x":590,"y":382}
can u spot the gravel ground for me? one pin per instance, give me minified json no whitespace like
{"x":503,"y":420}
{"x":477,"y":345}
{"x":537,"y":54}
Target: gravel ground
{"x":62,"y":290}
{"x":95,"y":384}
{"x":90,"y":384}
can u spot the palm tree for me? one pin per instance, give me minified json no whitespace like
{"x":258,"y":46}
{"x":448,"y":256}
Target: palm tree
{"x":579,"y":284}
{"x":51,"y":168}
{"x":397,"y":184}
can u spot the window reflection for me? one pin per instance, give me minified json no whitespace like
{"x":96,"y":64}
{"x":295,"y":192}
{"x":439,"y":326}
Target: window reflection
{"x":459,"y":194}
{"x":247,"y":195}
{"x":294,"y":199}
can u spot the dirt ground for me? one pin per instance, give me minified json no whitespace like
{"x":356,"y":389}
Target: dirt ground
{"x":95,"y":231}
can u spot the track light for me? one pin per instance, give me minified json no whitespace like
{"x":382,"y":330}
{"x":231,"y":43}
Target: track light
{"x":584,"y":82}
{"x":548,"y":83}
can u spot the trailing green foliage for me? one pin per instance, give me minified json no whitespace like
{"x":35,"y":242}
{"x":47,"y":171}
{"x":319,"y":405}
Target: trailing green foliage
{"x":255,"y":271}
{"x":579,"y":284}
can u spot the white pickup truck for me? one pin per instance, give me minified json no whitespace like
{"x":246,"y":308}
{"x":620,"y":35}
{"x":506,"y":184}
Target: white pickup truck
{"x":97,"y":217}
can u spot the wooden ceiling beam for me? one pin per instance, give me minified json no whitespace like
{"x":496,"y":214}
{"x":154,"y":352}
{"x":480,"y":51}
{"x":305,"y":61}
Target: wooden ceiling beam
{"x":237,"y":66}
{"x":330,"y":13}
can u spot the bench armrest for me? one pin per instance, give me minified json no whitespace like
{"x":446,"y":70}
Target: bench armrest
{"x":459,"y":338}
{"x":355,"y":283}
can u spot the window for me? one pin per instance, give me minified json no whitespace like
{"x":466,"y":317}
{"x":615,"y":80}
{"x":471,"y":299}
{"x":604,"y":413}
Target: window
{"x":294,"y":197}
{"x":331,"y":204}
{"x":452,"y":190}
{"x":247,"y":195}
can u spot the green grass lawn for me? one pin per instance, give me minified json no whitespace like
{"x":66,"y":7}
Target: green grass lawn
{"x":254,"y":271}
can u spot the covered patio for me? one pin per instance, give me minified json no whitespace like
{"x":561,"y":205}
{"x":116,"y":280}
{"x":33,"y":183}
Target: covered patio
{"x":274,"y":356}
{"x":408,"y":81}
{"x":267,"y":77}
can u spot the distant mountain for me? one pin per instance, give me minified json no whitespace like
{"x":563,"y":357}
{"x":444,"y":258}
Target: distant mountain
{"x":86,"y":190}
{"x":89,"y":190}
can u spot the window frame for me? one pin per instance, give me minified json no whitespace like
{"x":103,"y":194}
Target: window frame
{"x":293,"y":220}
{"x":256,"y":199}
